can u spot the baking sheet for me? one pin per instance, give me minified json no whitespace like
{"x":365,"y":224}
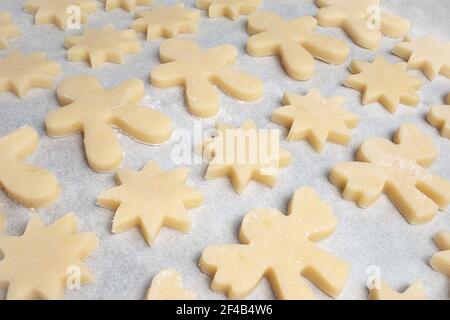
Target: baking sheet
{"x":124,"y":264}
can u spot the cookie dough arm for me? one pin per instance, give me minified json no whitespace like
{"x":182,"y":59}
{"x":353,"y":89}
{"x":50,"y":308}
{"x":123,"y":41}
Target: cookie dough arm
{"x":63,"y":121}
{"x":394,"y":26}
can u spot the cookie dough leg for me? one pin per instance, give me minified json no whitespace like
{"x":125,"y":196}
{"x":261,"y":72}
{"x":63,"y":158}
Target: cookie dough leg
{"x":239,"y":84}
{"x":287,"y":284}
{"x":327,"y":49}
{"x":201,"y":97}
{"x":297,"y":61}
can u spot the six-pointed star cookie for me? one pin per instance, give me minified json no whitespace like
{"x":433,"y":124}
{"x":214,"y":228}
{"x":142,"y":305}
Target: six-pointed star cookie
{"x":100,"y":46}
{"x":129,"y":5}
{"x":166,"y":22}
{"x":382,"y":291}
{"x":168,"y":285}
{"x":37,"y":264}
{"x":150,"y":199}
{"x":8,"y":29}
{"x":315,"y":118}
{"x":387,"y":83}
{"x":439,"y":117}
{"x":20,"y":72}
{"x":441,"y":261}
{"x":427,"y":54}
{"x":228,"y":8}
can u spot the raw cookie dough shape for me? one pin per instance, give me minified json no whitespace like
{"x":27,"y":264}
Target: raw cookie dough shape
{"x":359,"y":18}
{"x":8,"y":29}
{"x":150,"y":199}
{"x":100,"y":46}
{"x":294,"y":41}
{"x":186,"y":64}
{"x":441,"y":261}
{"x":166,"y":21}
{"x":2,"y":222}
{"x":315,"y":118}
{"x":415,"y":292}
{"x":20,"y":72}
{"x":30,"y":186}
{"x":92,"y":110}
{"x":427,"y":54}
{"x":168,"y":285}
{"x":128,"y":5}
{"x":399,"y":170}
{"x":439,"y":117}
{"x":228,"y":8}
{"x":381,"y":81}
{"x":236,"y":156}
{"x":38,"y":264}
{"x":282,"y":249}
{"x":58,"y":11}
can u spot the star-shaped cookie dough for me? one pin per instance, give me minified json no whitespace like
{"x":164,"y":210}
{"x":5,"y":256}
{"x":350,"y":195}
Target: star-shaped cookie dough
{"x":20,"y":72}
{"x":427,"y":54}
{"x":8,"y":29}
{"x":58,"y":11}
{"x":166,"y":21}
{"x":228,"y":8}
{"x":100,"y":46}
{"x":387,"y":83}
{"x":439,"y":117}
{"x":384,"y":292}
{"x":39,"y":264}
{"x":441,"y":261}
{"x":245,"y":153}
{"x":128,"y":5}
{"x":315,"y":118}
{"x":168,"y":285}
{"x":150,"y":199}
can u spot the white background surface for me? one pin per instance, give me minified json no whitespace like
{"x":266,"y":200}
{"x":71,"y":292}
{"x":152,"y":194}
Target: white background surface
{"x":124,"y":264}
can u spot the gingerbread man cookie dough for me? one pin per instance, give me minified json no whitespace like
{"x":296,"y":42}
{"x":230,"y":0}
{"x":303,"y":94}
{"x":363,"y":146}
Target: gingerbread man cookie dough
{"x":294,"y":41}
{"x":228,"y":8}
{"x":414,"y":292}
{"x":168,"y":285}
{"x":128,"y":5}
{"x":441,"y":261}
{"x":8,"y":29}
{"x":439,"y":117}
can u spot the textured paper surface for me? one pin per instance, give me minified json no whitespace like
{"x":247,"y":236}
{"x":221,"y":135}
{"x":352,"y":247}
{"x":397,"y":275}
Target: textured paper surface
{"x":124,"y":264}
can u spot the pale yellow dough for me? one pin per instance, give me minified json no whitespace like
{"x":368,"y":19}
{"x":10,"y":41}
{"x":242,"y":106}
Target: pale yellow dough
{"x":399,"y":170}
{"x":281,"y":248}
{"x":441,"y":261}
{"x":387,"y":83}
{"x":150,"y":199}
{"x":89,"y":109}
{"x":363,"y":20}
{"x":439,"y":117}
{"x":2,"y":222}
{"x":128,"y":5}
{"x":40,"y":263}
{"x":8,"y":29}
{"x":235,"y":155}
{"x":30,"y":186}
{"x":100,"y":46}
{"x":58,"y":11}
{"x":228,"y":8}
{"x":20,"y":72}
{"x":415,"y":292}
{"x":315,"y":118}
{"x":427,"y":54}
{"x":186,"y":64}
{"x":294,"y":41}
{"x":168,"y":285}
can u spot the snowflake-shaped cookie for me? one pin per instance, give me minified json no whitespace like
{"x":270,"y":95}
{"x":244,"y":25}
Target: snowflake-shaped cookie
{"x":128,"y":5}
{"x":20,"y":72}
{"x":439,"y":117}
{"x":441,"y":261}
{"x":363,"y":20}
{"x":228,"y":8}
{"x":89,"y":109}
{"x":150,"y":199}
{"x":100,"y":46}
{"x":282,"y":249}
{"x":315,"y":118}
{"x":244,"y":154}
{"x":186,"y":64}
{"x":168,"y":285}
{"x":166,"y":21}
{"x":294,"y":41}
{"x":427,"y":54}
{"x":416,"y":291}
{"x":397,"y":169}
{"x":59,"y":12}
{"x":38,"y":264}
{"x":387,"y":83}
{"x":8,"y":29}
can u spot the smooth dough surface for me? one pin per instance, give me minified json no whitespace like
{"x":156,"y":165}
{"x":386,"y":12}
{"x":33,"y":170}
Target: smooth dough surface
{"x":186,"y":64}
{"x":439,"y":117}
{"x":37,"y":264}
{"x":128,"y":5}
{"x":294,"y":41}
{"x":2,"y":222}
{"x":414,"y":292}
{"x":315,"y":118}
{"x":89,"y":109}
{"x":228,"y":8}
{"x":151,"y":199}
{"x":168,"y":285}
{"x":441,"y":261}
{"x":281,"y":248}
{"x":8,"y":29}
{"x":399,"y":170}
{"x":30,"y":186}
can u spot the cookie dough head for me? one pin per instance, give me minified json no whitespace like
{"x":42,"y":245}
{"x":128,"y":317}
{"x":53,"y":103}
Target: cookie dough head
{"x":168,"y":285}
{"x":228,"y":8}
{"x":8,"y":29}
{"x":441,"y":260}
